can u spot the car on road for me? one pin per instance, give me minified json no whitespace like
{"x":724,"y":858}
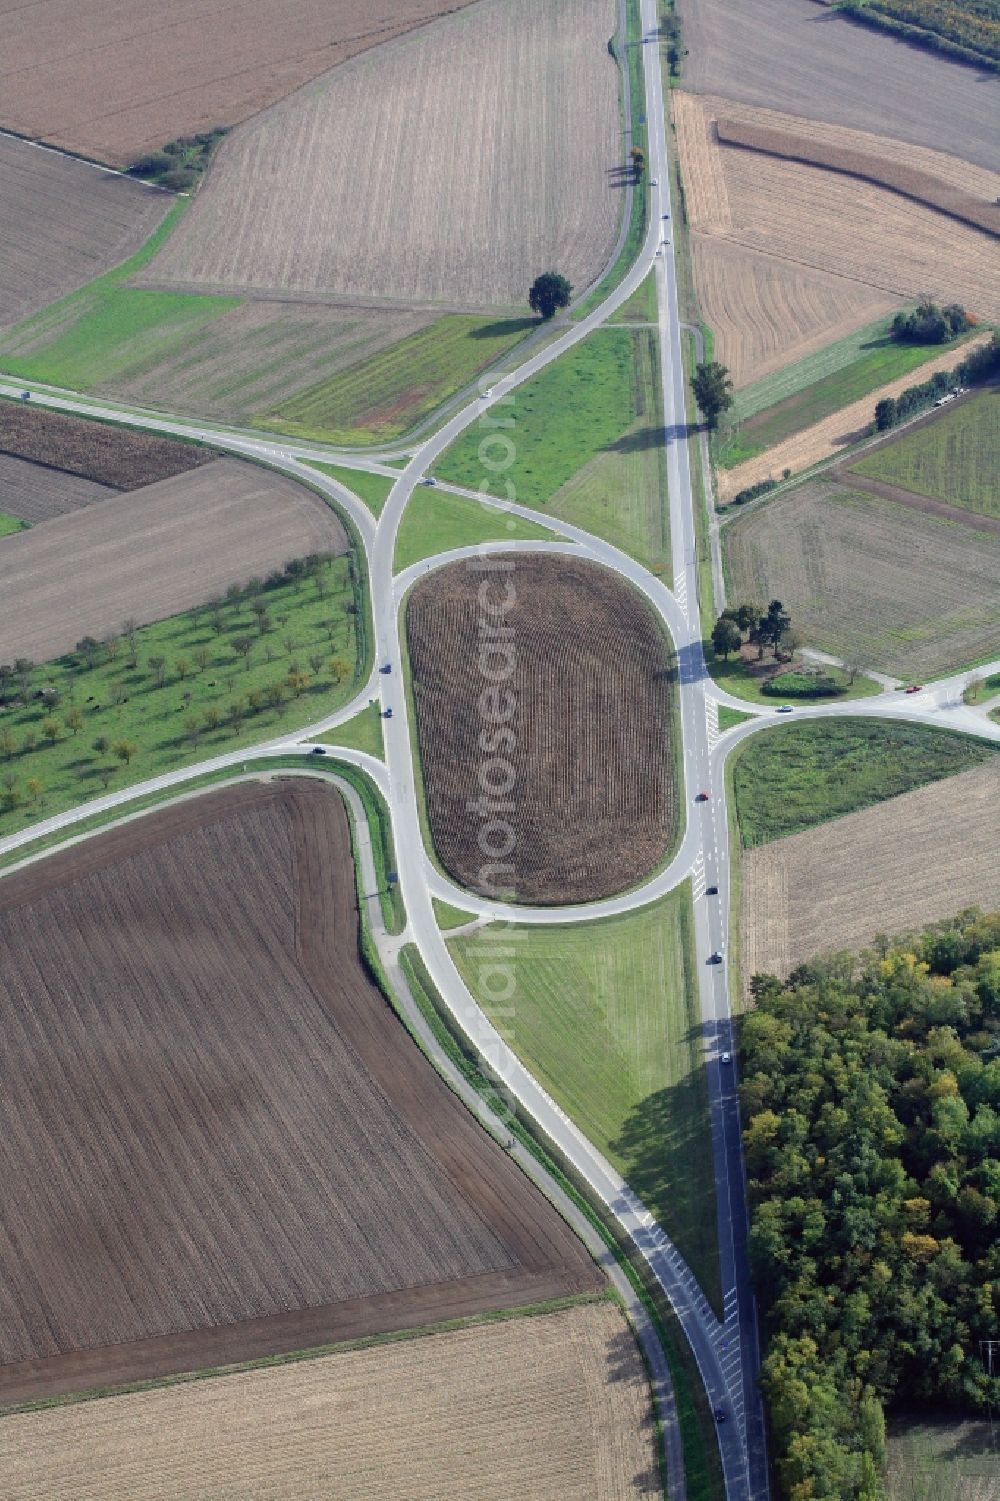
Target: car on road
{"x":429,"y":480}
{"x":783,"y":709}
{"x":702,"y":797}
{"x":715,"y":958}
{"x":386,"y":668}
{"x":915,"y":688}
{"x":654,"y":182}
{"x":387,"y":713}
{"x":317,"y":750}
{"x":725,"y":1057}
{"x":666,"y":216}
{"x":25,"y":395}
{"x":711,"y":890}
{"x":719,"y":1414}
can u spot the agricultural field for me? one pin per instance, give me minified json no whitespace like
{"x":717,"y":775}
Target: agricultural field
{"x":953,"y":456}
{"x":941,"y":1459}
{"x":605,"y":1015}
{"x":119,"y":457}
{"x":970,"y":27}
{"x":382,"y":397}
{"x":871,"y":581}
{"x":34,"y":492}
{"x":588,"y":737}
{"x":893,"y":868}
{"x":775,"y":240}
{"x":553,"y":1407}
{"x":798,"y":775}
{"x":244,"y":1036}
{"x":64,"y":222}
{"x":112,"y":86}
{"x":435,"y":521}
{"x":588,"y":445}
{"x":461,"y":201}
{"x":836,"y":72}
{"x":260,"y":662}
{"x":155,"y":552}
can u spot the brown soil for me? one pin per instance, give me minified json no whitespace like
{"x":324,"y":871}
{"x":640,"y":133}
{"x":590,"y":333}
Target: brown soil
{"x":216,"y":1139}
{"x":591,"y":807}
{"x":890,"y":869}
{"x":64,"y":221}
{"x":918,"y":502}
{"x":153,"y":553}
{"x":112,"y":79}
{"x":550,"y":1408}
{"x":877,"y":167}
{"x":115,"y":456}
{"x":36,"y":492}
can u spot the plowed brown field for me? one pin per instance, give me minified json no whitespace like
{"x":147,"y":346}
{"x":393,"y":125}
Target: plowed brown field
{"x":888,"y":869}
{"x":793,"y":55}
{"x":64,"y":222}
{"x":152,"y":553}
{"x":551,"y":1408}
{"x":573,"y":758}
{"x":812,"y":240}
{"x":448,"y":168}
{"x":110,"y":78}
{"x":216,"y":1140}
{"x":37,"y":493}
{"x":109,"y":455}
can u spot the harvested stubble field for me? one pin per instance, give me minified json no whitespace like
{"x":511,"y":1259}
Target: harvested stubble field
{"x":869,"y":580}
{"x":448,"y":168}
{"x":110,"y":80}
{"x":35,"y":492}
{"x":154,"y":552}
{"x":587,"y":737}
{"x":792,"y":221}
{"x":218,"y":1142}
{"x":118,"y":457}
{"x":889,"y":869}
{"x":834,"y":71}
{"x":832,"y":434}
{"x":553,"y":1407}
{"x":64,"y":222}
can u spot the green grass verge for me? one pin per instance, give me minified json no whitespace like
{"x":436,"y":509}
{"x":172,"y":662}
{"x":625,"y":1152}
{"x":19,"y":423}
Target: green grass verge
{"x":363,"y":733}
{"x":730,"y":718}
{"x":605,"y":1014}
{"x":382,"y":398}
{"x":435,"y":521}
{"x":11,"y":524}
{"x":190,"y":716}
{"x":449,"y":916}
{"x":879,"y":361}
{"x":641,"y":307}
{"x":702,"y":1469}
{"x":737,"y":677}
{"x":955,"y":457}
{"x":373,"y":489}
{"x":796,"y":776}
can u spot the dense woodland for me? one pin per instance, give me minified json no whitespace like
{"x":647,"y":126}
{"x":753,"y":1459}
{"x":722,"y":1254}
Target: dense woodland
{"x":871,"y":1099}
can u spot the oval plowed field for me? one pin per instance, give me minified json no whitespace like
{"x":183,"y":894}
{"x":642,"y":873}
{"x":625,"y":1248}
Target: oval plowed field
{"x":542,"y":688}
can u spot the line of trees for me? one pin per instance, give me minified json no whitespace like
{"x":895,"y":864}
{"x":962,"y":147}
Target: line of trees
{"x":871,"y":1109}
{"x":749,"y":623}
{"x":930,"y":324}
{"x":978,"y":366}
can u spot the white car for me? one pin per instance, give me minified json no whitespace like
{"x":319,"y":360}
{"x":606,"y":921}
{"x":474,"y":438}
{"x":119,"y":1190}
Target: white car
{"x":783,"y":709}
{"x":654,"y":182}
{"x":725,"y":1058}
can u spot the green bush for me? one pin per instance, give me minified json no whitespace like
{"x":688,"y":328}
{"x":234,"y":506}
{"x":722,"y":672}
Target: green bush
{"x":804,"y":684}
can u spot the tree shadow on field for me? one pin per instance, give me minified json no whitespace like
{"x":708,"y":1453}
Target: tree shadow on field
{"x":503,"y":328}
{"x":625,"y":1366}
{"x":622,"y":175}
{"x":637,"y":442}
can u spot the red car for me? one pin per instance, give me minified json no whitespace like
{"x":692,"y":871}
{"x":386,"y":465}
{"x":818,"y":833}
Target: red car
{"x":914,"y":688}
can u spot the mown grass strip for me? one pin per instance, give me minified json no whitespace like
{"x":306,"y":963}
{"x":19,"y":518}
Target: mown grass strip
{"x":955,"y":457}
{"x":363,"y":733}
{"x":435,"y":521}
{"x":796,"y":776}
{"x":373,"y":489}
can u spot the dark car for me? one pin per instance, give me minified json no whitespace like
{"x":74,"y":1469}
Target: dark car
{"x":386,"y":668}
{"x":715,"y":958}
{"x":386,"y":713}
{"x":711,"y":890}
{"x":318,"y":750}
{"x":720,"y":1414}
{"x":702,"y":797}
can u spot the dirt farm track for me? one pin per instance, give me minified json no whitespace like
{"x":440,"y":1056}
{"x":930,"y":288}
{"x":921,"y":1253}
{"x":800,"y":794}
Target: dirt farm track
{"x":130,"y":75}
{"x":583,"y":726}
{"x":216,"y":1140}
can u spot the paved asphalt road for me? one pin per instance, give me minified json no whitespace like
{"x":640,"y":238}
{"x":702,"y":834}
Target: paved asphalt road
{"x":726,"y":1351}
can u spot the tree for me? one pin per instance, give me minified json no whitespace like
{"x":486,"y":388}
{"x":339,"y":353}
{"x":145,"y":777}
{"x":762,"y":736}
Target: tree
{"x":124,"y":750}
{"x":23,"y":668}
{"x":202,"y":656}
{"x":74,"y":720}
{"x":885,"y":414}
{"x":192,"y":728}
{"x":50,"y":729}
{"x":638,"y":159}
{"x":33,"y":788}
{"x":549,"y":292}
{"x":7,"y":744}
{"x":243,"y":646}
{"x":213,"y":717}
{"x":105,"y":773}
{"x":275,"y":692}
{"x":726,"y":637}
{"x":112,"y":646}
{"x":158,"y":667}
{"x":130,"y":630}
{"x":182,"y":667}
{"x":712,"y":390}
{"x":774,"y":624}
{"x":338,"y":669}
{"x":88,"y":647}
{"x":102,"y":745}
